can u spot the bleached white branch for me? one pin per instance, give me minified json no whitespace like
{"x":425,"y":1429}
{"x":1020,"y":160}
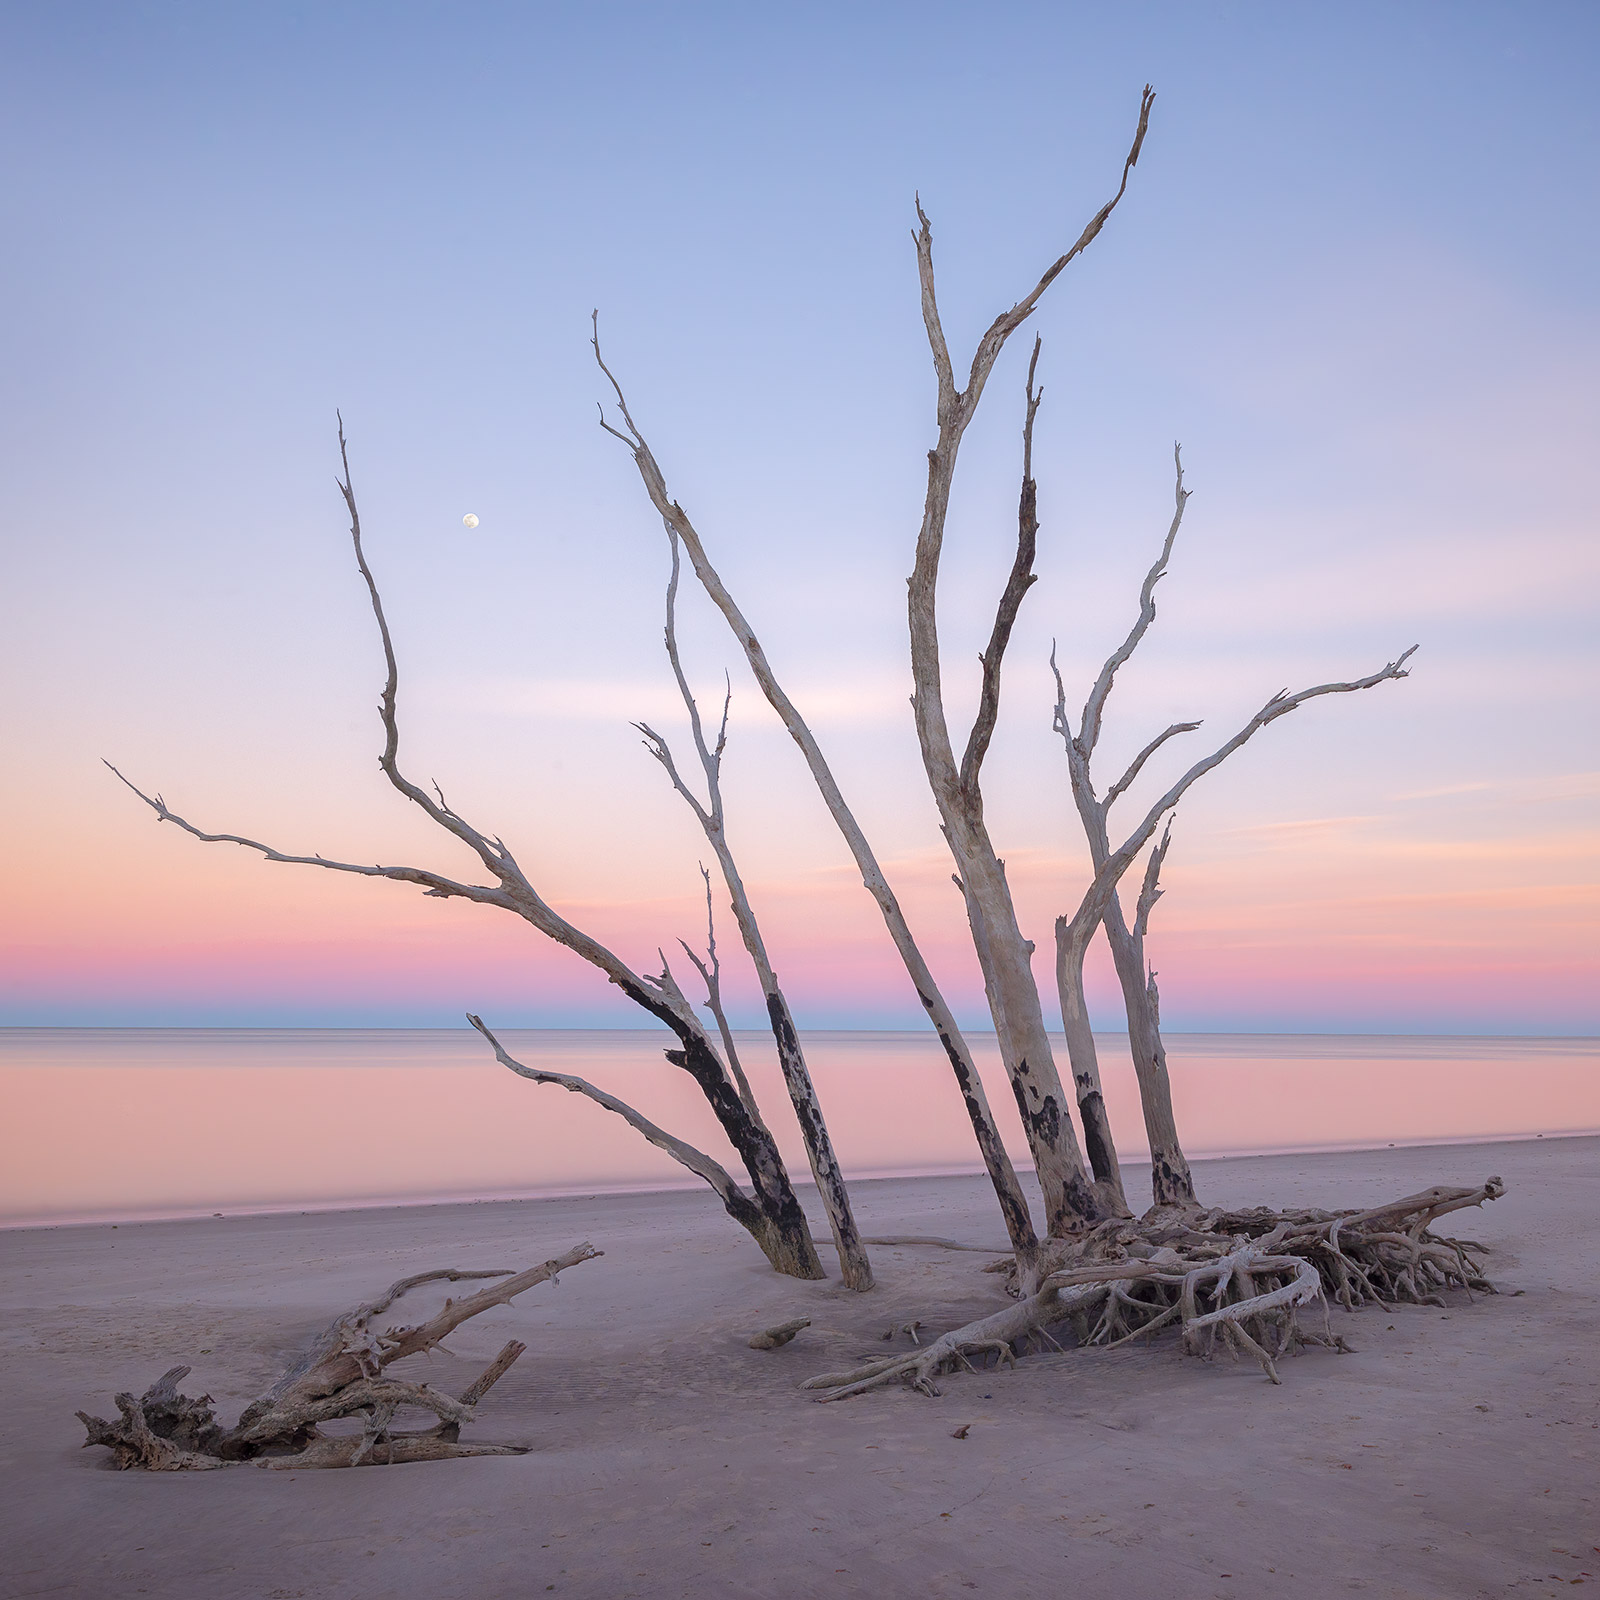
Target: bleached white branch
{"x":685,"y":1154}
{"x":1094,"y":708}
{"x":963,"y":404}
{"x":1021,"y":579}
{"x":1134,"y":767}
{"x":1003,"y":952}
{"x":791,"y":1057}
{"x":1077,"y":757}
{"x":491,"y":852}
{"x":662,"y":751}
{"x":1280,"y":705}
{"x":432,"y":883}
{"x":1150,"y":890}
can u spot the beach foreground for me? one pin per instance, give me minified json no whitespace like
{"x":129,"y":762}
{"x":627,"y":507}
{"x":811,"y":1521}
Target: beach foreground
{"x":1455,"y":1454}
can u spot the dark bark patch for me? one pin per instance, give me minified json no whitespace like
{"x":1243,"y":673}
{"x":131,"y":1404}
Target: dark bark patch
{"x":1171,"y":1181}
{"x":1092,"y":1108}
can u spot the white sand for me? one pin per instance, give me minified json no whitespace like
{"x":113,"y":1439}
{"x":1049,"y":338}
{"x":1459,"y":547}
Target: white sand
{"x":1455,"y":1455}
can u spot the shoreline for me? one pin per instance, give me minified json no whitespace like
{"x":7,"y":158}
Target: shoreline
{"x":803,"y":1183}
{"x":916,"y":1027}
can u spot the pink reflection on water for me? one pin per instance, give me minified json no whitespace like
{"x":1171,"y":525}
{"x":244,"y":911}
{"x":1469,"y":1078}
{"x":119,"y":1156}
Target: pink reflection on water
{"x":161,"y":1122}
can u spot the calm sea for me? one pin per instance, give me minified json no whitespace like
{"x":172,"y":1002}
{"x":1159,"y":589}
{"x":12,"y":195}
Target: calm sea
{"x":149,"y":1122}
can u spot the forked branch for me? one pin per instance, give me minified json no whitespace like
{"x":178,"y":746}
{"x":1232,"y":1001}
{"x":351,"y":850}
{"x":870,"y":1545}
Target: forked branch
{"x":685,"y":1154}
{"x":964,"y":403}
{"x":710,"y":971}
{"x":1094,"y":708}
{"x":1021,"y":579}
{"x":1280,"y":705}
{"x":432,"y":883}
{"x":1072,"y":1200}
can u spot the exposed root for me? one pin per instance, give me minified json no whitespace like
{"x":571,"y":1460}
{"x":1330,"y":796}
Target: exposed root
{"x":993,"y":1335}
{"x":1244,"y":1280}
{"x":162,"y":1430}
{"x":340,"y":1375}
{"x":395,"y":1449}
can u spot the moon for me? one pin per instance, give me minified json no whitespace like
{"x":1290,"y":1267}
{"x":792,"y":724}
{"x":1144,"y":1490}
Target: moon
{"x":469,"y":521}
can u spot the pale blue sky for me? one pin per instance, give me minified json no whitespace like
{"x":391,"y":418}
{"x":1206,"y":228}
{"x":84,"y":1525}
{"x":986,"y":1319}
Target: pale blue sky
{"x":1355,"y":273}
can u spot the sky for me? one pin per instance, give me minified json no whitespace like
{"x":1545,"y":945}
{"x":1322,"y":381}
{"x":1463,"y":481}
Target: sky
{"x":1353,"y":275}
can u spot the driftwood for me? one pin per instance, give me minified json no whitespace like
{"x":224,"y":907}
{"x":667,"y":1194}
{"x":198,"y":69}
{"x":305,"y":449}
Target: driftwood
{"x":1241,"y":1280}
{"x":341,"y":1374}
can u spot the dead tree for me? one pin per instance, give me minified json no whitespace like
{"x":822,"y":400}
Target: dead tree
{"x":1244,"y":1281}
{"x":997,"y":1163}
{"x":1004,"y":953}
{"x":343,"y":1374}
{"x":1071,"y":1200}
{"x":1170,"y":1175}
{"x":770,"y":1213}
{"x":1171,"y":1180}
{"x":853,"y":1262}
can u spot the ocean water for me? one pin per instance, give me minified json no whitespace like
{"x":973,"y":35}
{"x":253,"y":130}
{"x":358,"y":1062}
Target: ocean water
{"x":104,"y":1123}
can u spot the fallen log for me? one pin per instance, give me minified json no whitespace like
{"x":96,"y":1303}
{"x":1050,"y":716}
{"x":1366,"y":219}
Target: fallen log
{"x":341,"y":1374}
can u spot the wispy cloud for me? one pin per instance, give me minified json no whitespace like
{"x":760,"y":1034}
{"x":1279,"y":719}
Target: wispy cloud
{"x":1299,"y":825}
{"x":861,"y":701}
{"x":1546,"y":787}
{"x":1448,"y":789}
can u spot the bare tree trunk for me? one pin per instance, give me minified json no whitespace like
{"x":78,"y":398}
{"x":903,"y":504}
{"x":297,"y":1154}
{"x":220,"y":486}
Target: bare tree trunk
{"x":1002,"y":1175}
{"x":1070,"y":1201}
{"x":1171,"y":1182}
{"x":1170,"y":1177}
{"x":853,"y":1261}
{"x":1084,"y":1060}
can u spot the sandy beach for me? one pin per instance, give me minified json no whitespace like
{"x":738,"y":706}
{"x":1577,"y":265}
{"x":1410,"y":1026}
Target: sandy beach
{"x":1453,"y":1455}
